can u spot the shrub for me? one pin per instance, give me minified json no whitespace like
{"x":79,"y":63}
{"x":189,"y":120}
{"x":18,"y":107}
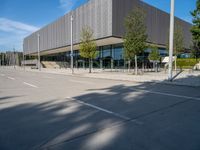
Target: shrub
{"x":187,"y":63}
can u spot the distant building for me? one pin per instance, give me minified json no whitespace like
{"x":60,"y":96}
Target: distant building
{"x":106,"y":19}
{"x":10,"y":58}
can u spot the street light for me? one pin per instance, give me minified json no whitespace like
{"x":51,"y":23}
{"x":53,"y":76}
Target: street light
{"x":23,"y":58}
{"x":39,"y":66}
{"x":72,"y":61}
{"x":14,"y":57}
{"x":171,"y":41}
{"x":23,"y":61}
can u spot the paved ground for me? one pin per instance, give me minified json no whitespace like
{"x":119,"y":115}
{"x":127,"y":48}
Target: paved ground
{"x":186,"y":77}
{"x":49,"y":111}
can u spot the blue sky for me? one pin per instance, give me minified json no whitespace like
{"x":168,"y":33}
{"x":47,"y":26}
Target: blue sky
{"x":19,"y":18}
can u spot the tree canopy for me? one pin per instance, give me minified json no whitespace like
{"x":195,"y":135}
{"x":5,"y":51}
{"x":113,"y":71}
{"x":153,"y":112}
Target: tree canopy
{"x":135,"y":37}
{"x":195,"y":30}
{"x":154,"y":55}
{"x":87,"y":45}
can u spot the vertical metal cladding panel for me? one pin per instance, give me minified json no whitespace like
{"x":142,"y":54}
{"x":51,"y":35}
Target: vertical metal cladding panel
{"x":67,"y":29}
{"x":89,"y":14}
{"x":157,"y":21}
{"x":61,"y":24}
{"x":54,"y":36}
{"x":164,"y":24}
{"x":186,"y":33}
{"x":154,"y":25}
{"x":42,"y":39}
{"x":59,"y":33}
{"x":42,"y":42}
{"x":62,"y":31}
{"x":96,"y":13}
{"x":149,"y":22}
{"x":51,"y":36}
{"x":121,"y":8}
{"x":48,"y":37}
{"x":75,"y":26}
{"x":95,"y":20}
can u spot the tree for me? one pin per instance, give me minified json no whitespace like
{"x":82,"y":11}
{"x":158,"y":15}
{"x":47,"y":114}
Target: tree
{"x":88,"y":46}
{"x":195,"y":30}
{"x":178,"y":41}
{"x":154,"y":56}
{"x":135,"y":36}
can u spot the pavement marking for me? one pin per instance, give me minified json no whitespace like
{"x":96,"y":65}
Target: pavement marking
{"x":172,"y":95}
{"x":48,"y":77}
{"x":2,"y":75}
{"x":31,"y":85}
{"x":107,"y":111}
{"x":101,"y":109}
{"x":81,"y":82}
{"x":11,"y":78}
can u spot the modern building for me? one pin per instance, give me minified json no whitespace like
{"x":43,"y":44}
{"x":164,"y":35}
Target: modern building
{"x":106,"y":19}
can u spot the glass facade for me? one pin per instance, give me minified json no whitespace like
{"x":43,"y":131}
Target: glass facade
{"x":118,"y":56}
{"x":109,"y":57}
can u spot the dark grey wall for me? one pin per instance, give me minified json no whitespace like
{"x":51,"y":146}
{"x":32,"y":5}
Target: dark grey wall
{"x":106,"y":18}
{"x":157,"y":21}
{"x":96,"y":13}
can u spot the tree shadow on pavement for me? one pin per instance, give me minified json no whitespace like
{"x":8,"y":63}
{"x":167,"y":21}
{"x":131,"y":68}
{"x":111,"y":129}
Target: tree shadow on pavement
{"x":190,"y":80}
{"x":154,"y":121}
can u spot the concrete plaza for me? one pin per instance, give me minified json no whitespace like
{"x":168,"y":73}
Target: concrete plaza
{"x":54,"y":111}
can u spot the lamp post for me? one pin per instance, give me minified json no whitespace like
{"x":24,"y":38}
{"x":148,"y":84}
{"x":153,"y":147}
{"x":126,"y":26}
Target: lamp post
{"x":14,"y":58}
{"x":39,"y":66}
{"x":23,"y":58}
{"x":23,"y":62}
{"x":171,"y":41}
{"x":72,"y":61}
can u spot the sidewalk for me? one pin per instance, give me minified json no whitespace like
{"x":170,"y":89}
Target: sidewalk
{"x":186,"y":78}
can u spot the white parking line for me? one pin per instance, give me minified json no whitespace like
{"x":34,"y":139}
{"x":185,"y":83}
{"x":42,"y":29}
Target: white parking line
{"x":31,"y":85}
{"x":107,"y":111}
{"x":11,"y":78}
{"x":81,"y":82}
{"x":101,"y":109}
{"x":168,"y":94}
{"x":48,"y":77}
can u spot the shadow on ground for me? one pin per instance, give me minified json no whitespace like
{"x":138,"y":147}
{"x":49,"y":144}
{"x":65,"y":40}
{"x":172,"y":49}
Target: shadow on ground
{"x":190,"y":80}
{"x":153,"y":121}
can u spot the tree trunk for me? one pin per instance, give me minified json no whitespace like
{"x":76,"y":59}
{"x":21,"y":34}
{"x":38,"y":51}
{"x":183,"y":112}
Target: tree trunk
{"x":156,"y":65}
{"x":90,"y":66}
{"x":143,"y":67}
{"x":112,"y":64}
{"x":175,"y":63}
{"x":136,"y":68}
{"x":101,"y":63}
{"x":129,"y":66}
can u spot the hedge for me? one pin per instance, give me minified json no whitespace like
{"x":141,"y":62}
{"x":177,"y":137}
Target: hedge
{"x":187,"y":62}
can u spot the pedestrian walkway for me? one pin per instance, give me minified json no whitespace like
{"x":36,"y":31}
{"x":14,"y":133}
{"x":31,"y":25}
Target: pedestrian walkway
{"x":187,"y":77}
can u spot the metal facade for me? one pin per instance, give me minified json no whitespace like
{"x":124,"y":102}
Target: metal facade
{"x":96,"y":13}
{"x":157,"y":21}
{"x":106,"y":18}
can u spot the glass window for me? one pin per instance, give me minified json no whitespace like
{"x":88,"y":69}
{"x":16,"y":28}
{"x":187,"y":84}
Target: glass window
{"x":118,"y":53}
{"x":106,"y":51}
